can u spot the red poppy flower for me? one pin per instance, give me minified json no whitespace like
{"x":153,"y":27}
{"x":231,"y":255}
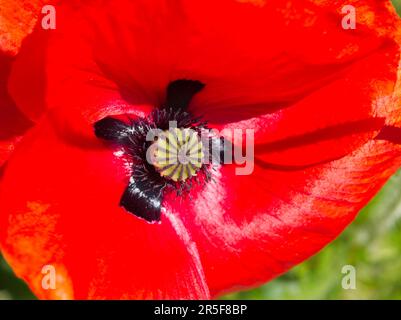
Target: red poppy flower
{"x":324,"y":103}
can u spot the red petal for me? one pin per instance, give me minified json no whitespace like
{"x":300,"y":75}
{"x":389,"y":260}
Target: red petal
{"x":59,"y":206}
{"x":267,"y":58}
{"x":335,"y":119}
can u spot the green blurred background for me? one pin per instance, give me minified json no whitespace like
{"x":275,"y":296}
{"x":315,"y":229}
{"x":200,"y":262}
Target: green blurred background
{"x":372,"y":244}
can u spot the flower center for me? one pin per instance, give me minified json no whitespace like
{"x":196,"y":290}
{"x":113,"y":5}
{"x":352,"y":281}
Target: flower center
{"x":178,"y":154}
{"x":179,"y":158}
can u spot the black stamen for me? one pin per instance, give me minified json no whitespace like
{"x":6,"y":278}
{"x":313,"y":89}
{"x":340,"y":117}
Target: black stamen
{"x":180,"y":93}
{"x":112,"y":129}
{"x":143,"y":199}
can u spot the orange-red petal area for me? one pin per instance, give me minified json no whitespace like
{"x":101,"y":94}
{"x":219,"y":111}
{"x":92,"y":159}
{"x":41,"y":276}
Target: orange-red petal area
{"x":59,"y":208}
{"x":17,"y":20}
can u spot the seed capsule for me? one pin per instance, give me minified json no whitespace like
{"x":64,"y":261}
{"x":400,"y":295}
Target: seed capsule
{"x":178,"y":154}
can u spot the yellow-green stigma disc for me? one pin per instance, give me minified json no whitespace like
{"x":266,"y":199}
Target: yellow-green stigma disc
{"x":178,"y":154}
